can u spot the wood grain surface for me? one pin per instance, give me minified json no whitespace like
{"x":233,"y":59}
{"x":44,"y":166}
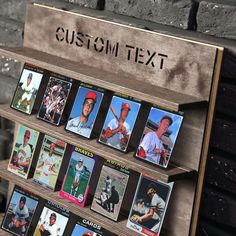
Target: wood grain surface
{"x":120,"y":83}
{"x":174,"y":172}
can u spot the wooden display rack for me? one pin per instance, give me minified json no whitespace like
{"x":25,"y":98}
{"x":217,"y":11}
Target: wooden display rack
{"x":173,"y":73}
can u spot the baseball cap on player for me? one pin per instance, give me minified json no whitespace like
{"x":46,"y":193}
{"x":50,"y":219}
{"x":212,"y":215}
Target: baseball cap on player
{"x":54,"y":215}
{"x":125,"y":105}
{"x":87,"y":234}
{"x":81,"y":160}
{"x":91,"y":95}
{"x":30,"y":76}
{"x":27,"y":134}
{"x":52,"y":146}
{"x":23,"y":199}
{"x":167,"y":118}
{"x":152,"y":185}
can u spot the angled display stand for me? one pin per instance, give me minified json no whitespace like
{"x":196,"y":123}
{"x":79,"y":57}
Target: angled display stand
{"x":172,"y":73}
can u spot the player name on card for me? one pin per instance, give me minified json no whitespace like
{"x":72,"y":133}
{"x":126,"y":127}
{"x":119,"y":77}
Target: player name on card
{"x":165,"y":61}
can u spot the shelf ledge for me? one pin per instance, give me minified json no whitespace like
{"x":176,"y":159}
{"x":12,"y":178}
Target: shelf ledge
{"x":162,"y":97}
{"x":172,"y":173}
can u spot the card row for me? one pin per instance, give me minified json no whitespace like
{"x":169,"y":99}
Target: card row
{"x":29,"y":214}
{"x":83,"y":177}
{"x":116,"y":120}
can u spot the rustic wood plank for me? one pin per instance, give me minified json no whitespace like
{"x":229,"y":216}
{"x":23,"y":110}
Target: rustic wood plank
{"x":174,"y":172}
{"x":179,"y":211}
{"x":183,"y":193}
{"x":115,"y":82}
{"x":206,"y":141}
{"x":180,"y":65}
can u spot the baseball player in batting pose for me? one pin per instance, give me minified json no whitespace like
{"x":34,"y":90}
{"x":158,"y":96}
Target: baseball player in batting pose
{"x":118,"y":130}
{"x":20,"y":216}
{"x":154,"y":215}
{"x":79,"y":173}
{"x":151,"y":148}
{"x":28,"y":89}
{"x":23,"y":155}
{"x":81,"y":124}
{"x":47,"y":165}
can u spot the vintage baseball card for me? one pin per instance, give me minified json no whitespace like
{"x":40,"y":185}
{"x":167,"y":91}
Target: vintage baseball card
{"x":75,"y":185}
{"x":27,"y":89}
{"x":110,"y":189}
{"x":159,"y":136}
{"x":119,"y":123}
{"x":84,"y":111}
{"x":20,"y":211}
{"x":49,"y":162}
{"x":53,"y":220}
{"x":23,"y":151}
{"x":54,"y":99}
{"x":149,"y":206}
{"x":84,"y":227}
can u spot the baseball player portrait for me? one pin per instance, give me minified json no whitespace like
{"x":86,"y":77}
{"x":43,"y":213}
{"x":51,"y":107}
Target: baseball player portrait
{"x":19,"y":214}
{"x":23,"y":151}
{"x":26,"y":91}
{"x":109,"y":192}
{"x":51,"y":223}
{"x":117,"y":130}
{"x":76,"y":182}
{"x":49,"y":162}
{"x":161,"y":132}
{"x":78,"y":173}
{"x":149,"y":204}
{"x":54,"y":100}
{"x":84,"y":111}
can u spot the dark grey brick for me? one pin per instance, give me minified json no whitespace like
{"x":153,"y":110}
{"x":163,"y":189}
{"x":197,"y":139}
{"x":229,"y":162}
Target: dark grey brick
{"x":7,"y":85}
{"x":217,"y":19}
{"x":84,"y":3}
{"x":10,"y":36}
{"x":174,"y":13}
{"x":13,"y":9}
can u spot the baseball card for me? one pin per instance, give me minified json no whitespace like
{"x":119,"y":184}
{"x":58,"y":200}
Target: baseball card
{"x":53,"y":220}
{"x":54,"y":99}
{"x":84,"y":111}
{"x":84,"y":227}
{"x":149,"y":206}
{"x":110,"y":189}
{"x":23,"y":151}
{"x":49,"y":162}
{"x":27,"y":89}
{"x":20,"y":211}
{"x":75,"y":185}
{"x":159,"y":136}
{"x":119,"y":122}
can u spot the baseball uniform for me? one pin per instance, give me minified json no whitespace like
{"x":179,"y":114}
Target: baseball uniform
{"x":23,"y":154}
{"x":159,"y":205}
{"x":79,"y":172}
{"x":52,"y":229}
{"x":152,"y":146}
{"x":82,"y":128}
{"x":20,"y":215}
{"x":28,"y":89}
{"x":48,"y":162}
{"x":115,"y":140}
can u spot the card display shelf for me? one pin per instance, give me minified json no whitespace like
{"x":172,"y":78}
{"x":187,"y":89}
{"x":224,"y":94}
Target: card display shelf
{"x":118,"y":228}
{"x":147,"y":92}
{"x":173,"y":172}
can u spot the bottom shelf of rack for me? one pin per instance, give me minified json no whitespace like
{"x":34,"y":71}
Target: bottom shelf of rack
{"x":118,"y":228}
